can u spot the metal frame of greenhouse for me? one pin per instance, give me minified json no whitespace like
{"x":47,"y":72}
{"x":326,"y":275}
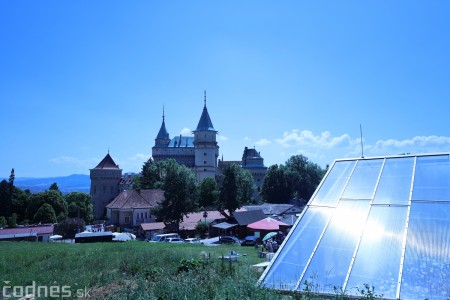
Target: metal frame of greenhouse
{"x":381,"y":222}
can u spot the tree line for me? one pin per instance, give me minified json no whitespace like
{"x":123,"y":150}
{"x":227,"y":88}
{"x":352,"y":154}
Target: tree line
{"x":19,"y":206}
{"x":298,"y":178}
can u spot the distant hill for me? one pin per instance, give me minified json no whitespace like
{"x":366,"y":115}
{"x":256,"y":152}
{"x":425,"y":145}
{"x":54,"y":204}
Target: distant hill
{"x":66,"y":184}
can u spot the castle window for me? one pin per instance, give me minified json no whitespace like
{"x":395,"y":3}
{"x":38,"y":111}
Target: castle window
{"x":146,"y":215}
{"x":127,"y":220}
{"x":204,"y":154}
{"x":204,"y":170}
{"x":204,"y":162}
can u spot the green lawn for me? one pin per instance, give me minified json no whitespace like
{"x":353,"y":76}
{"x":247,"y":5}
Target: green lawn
{"x":132,"y":270}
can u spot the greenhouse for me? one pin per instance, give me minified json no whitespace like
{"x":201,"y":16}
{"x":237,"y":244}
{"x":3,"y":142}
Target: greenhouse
{"x":381,"y":222}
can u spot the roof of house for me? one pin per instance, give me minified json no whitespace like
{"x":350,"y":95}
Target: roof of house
{"x":275,"y":209}
{"x":153,"y":226}
{"x":191,"y":220}
{"x":244,"y":218}
{"x":47,"y":229}
{"x":130,"y":199}
{"x":107,"y":163}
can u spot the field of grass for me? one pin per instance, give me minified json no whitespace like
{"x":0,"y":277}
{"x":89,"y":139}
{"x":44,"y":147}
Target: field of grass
{"x":131,"y":270}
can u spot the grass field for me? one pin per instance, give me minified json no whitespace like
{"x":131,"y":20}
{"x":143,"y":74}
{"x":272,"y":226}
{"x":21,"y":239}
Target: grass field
{"x":130,"y":270}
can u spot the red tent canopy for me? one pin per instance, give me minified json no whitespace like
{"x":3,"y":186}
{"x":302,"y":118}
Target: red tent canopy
{"x":267,"y":224}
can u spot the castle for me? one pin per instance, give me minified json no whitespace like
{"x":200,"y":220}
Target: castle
{"x":199,"y":152}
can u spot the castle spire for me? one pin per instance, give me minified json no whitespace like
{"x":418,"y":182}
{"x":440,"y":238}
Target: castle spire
{"x":163,"y":134}
{"x":205,"y":121}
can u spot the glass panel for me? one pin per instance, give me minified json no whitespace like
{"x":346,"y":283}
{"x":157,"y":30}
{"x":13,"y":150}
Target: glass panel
{"x":395,"y":181}
{"x":331,"y":262}
{"x":289,"y":265}
{"x":332,"y":187}
{"x":377,"y":262}
{"x":432,"y":178}
{"x":426,"y":270}
{"x":363,"y":180}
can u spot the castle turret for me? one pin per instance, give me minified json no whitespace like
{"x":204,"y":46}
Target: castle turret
{"x":206,"y":148}
{"x":105,"y":178}
{"x":162,"y":139}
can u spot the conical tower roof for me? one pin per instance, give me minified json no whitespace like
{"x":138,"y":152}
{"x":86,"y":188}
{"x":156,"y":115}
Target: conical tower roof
{"x":205,"y":121}
{"x":107,"y":163}
{"x":163,"y":134}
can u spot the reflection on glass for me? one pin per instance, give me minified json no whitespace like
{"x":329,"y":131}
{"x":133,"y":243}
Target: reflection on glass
{"x":395,"y":181}
{"x":289,"y":265}
{"x":432,"y":178}
{"x":331,"y":261}
{"x":377,"y":261}
{"x":363,"y":180}
{"x":332,"y":187}
{"x":426,"y":270}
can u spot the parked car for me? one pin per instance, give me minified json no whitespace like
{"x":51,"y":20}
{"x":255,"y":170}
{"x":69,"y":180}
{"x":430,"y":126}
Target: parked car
{"x":229,"y":239}
{"x":192,"y":240}
{"x":249,"y":241}
{"x":175,"y":240}
{"x":163,"y":237}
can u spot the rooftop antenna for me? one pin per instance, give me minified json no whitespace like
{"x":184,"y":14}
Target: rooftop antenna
{"x":362,"y":146}
{"x":163,"y":113}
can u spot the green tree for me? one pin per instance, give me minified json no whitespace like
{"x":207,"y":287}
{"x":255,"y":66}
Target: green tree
{"x":12,"y":221}
{"x":275,"y":187}
{"x":236,"y":190}
{"x":53,"y":198}
{"x":180,"y":193}
{"x":21,"y":200}
{"x":3,"y":222}
{"x":80,"y":203}
{"x":208,"y":193}
{"x":152,"y":175}
{"x":201,"y":228}
{"x":68,"y":227}
{"x":304,"y":176}
{"x":298,"y":178}
{"x":5,"y":199}
{"x":54,"y":187}
{"x":45,"y":214}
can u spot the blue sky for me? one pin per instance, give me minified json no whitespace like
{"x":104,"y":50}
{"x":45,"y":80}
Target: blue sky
{"x":288,"y":77}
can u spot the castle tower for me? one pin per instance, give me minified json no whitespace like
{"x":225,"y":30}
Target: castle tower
{"x":162,"y":139}
{"x":105,"y":178}
{"x":206,"y":148}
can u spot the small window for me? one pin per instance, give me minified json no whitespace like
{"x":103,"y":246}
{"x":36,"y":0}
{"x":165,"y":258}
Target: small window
{"x":146,"y":215}
{"x":127,"y":220}
{"x":204,"y":170}
{"x":204,"y":162}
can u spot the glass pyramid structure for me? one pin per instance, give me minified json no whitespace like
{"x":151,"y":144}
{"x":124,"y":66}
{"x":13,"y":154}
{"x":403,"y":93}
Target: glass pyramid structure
{"x":382,"y":222}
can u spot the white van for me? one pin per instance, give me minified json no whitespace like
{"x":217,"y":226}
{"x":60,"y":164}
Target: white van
{"x":163,"y":237}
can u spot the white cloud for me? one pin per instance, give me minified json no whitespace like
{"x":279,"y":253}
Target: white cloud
{"x":415,"y":145}
{"x":263,"y":142}
{"x":246,"y":138}
{"x":222,"y":138}
{"x":307,"y":138}
{"x":186,"y":131}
